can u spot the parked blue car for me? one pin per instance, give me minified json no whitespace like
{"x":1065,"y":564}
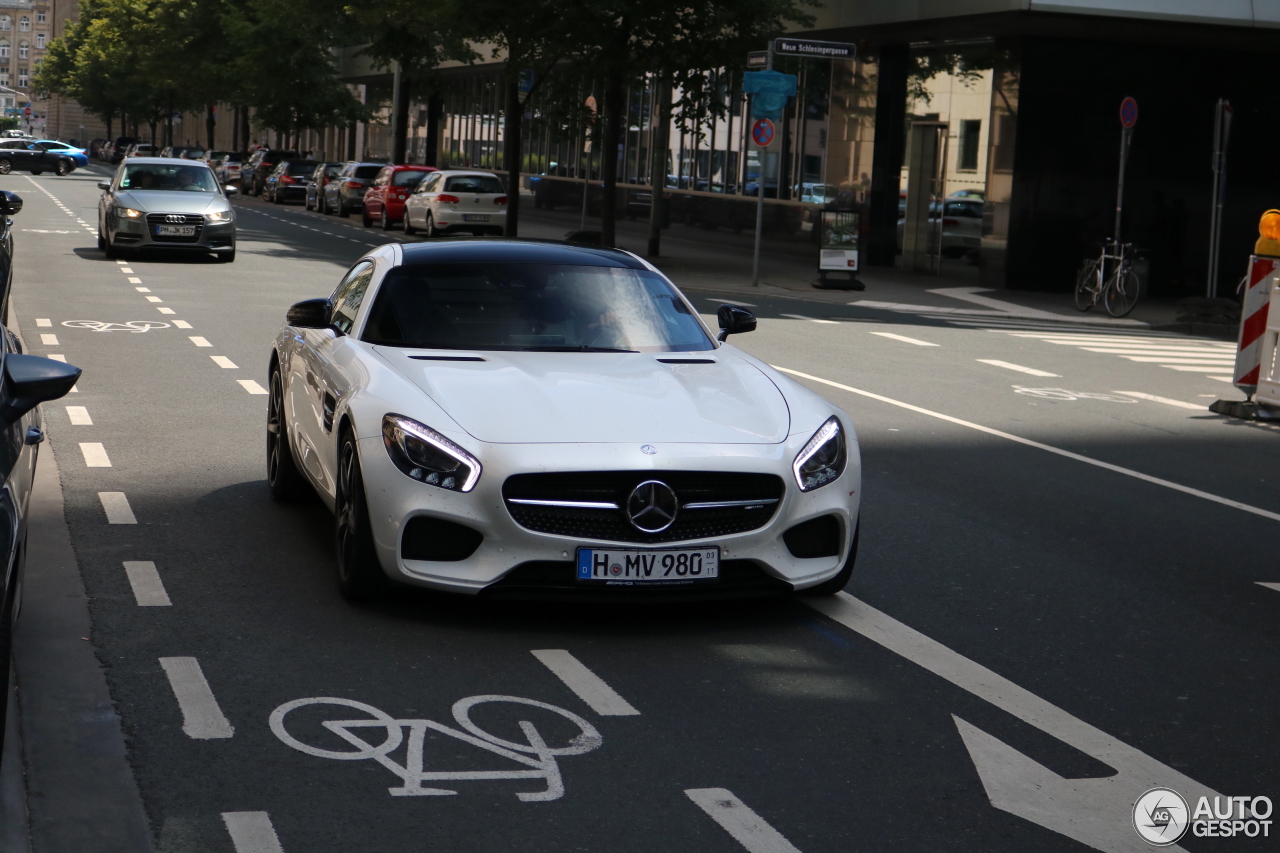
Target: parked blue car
{"x":77,"y":155}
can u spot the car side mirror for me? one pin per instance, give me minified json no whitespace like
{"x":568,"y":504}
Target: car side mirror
{"x":104,"y":185}
{"x":31,"y":380}
{"x":734,"y":320}
{"x":10,"y":203}
{"x":230,"y":190}
{"x":310,"y":314}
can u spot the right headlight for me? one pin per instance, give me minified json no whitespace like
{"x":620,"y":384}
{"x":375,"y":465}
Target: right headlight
{"x":823,"y":457}
{"x":427,"y":456}
{"x":129,"y":213}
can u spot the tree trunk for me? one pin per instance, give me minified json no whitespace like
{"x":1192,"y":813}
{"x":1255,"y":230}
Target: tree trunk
{"x":435,"y":106}
{"x":107,"y":120}
{"x":661,"y":142}
{"x":152,"y":124}
{"x":613,"y":107}
{"x":511,"y":152}
{"x":210,"y":125}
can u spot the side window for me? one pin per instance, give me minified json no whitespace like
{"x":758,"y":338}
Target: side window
{"x":349,"y":295}
{"x":432,"y":184}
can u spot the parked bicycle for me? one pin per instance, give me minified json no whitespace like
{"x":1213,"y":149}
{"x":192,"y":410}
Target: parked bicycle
{"x":1118,"y":291}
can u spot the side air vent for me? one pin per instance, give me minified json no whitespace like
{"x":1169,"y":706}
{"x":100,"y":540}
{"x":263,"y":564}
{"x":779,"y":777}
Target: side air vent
{"x":446,"y":358}
{"x":427,"y":538}
{"x":687,"y":360}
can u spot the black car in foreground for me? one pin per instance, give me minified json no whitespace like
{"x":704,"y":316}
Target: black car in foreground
{"x":23,"y":155}
{"x":26,"y":381}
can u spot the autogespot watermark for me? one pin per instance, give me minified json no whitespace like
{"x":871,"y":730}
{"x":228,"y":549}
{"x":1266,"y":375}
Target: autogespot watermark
{"x":1162,"y":816}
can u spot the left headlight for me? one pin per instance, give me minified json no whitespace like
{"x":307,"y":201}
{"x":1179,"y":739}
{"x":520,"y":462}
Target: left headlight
{"x":427,"y":456}
{"x":219,"y":216}
{"x":823,"y":457}
{"x":129,"y":213}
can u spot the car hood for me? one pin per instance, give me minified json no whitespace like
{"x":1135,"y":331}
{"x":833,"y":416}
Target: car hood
{"x":171,"y":201}
{"x":544,"y":397}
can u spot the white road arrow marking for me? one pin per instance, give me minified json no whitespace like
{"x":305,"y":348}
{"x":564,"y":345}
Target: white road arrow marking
{"x":1097,"y":812}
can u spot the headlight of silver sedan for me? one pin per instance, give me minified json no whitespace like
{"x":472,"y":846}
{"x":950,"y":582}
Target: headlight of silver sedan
{"x":219,"y":216}
{"x":427,"y":456}
{"x":129,"y":213}
{"x":823,"y":457}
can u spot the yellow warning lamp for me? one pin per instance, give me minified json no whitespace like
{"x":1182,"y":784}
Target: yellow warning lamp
{"x":1268,"y":235}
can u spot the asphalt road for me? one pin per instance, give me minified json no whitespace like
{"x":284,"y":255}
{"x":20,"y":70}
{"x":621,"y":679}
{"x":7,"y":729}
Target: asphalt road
{"x":1052,"y":585}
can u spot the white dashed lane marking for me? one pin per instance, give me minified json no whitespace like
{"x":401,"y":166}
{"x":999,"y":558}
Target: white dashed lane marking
{"x":589,"y":687}
{"x":904,"y":339}
{"x":126,"y":270}
{"x":143,"y":289}
{"x":154,"y":299}
{"x":812,"y":319}
{"x":79,"y":416}
{"x":148,"y":589}
{"x":1018,"y":367}
{"x":95,"y":455}
{"x":49,"y":340}
{"x":1166,"y":400}
{"x":252,"y":832}
{"x":116,"y":505}
{"x":42,"y":323}
{"x":181,"y":324}
{"x":135,"y":280}
{"x":164,"y":310}
{"x":223,"y":361}
{"x":1269,"y":585}
{"x":251,"y":386}
{"x":202,"y":719}
{"x":199,"y":341}
{"x":736,"y":818}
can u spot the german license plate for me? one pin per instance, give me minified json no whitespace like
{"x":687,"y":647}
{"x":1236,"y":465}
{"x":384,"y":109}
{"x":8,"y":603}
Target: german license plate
{"x":175,"y":231}
{"x":616,"y":567}
{"x":475,"y":217}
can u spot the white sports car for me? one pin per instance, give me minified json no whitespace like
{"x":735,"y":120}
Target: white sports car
{"x":529,"y":418}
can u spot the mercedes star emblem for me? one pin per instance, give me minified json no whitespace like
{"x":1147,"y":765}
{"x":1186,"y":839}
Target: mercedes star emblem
{"x":648,"y":449}
{"x":652,"y":506}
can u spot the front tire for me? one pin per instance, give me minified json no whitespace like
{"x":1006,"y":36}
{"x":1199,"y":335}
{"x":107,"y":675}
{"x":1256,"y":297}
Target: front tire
{"x":1086,"y":281}
{"x":283,"y":477}
{"x":385,"y":221}
{"x":360,"y":575}
{"x":343,"y":212}
{"x":841,"y":580}
{"x":1122,"y":293}
{"x":64,"y":168}
{"x":228,"y":257}
{"x":364,"y":218}
{"x":6,"y":166}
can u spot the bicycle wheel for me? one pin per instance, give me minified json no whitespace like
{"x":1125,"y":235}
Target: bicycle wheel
{"x":1087,"y":284}
{"x":1121,"y":293}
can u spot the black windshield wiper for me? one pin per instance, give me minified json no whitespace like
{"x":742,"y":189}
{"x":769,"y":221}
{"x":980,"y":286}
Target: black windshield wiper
{"x":583,"y":348}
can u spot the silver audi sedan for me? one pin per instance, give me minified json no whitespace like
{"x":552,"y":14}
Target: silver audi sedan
{"x":166,"y":203}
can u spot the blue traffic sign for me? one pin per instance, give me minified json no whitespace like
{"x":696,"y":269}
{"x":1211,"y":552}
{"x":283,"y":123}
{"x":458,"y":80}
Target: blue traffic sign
{"x":1128,"y":112}
{"x":762,"y":132}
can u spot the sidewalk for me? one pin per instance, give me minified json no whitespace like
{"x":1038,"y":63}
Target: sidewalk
{"x":700,"y":259}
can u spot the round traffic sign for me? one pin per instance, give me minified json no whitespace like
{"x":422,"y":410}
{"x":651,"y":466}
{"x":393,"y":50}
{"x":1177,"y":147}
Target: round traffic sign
{"x":1128,"y":112}
{"x":762,"y":132}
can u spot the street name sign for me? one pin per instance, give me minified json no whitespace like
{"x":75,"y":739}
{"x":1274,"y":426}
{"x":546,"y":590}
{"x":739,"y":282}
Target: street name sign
{"x":809,"y":49}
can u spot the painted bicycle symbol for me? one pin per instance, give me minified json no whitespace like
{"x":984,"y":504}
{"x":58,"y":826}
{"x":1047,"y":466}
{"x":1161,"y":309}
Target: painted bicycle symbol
{"x":137,"y":326}
{"x":1064,"y":394}
{"x":388,"y":736}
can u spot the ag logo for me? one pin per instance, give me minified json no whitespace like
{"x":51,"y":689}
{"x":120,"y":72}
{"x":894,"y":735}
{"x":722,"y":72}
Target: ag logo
{"x":1161,"y":816}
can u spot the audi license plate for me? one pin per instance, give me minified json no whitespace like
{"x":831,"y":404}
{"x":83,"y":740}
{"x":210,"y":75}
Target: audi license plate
{"x":612,"y":567}
{"x":475,"y":217}
{"x":175,"y":231}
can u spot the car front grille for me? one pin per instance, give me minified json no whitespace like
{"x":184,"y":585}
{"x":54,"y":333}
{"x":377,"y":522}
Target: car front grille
{"x":154,"y":219}
{"x":758,"y":494}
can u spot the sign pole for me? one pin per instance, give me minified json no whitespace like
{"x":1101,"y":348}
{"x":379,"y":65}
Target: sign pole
{"x":1221,"y":136}
{"x":755,"y":253}
{"x":1128,"y":118}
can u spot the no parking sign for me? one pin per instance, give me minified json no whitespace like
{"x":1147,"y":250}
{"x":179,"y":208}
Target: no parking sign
{"x":762,"y":132}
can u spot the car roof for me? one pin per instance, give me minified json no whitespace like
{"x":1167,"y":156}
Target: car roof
{"x":452,"y":172}
{"x":405,"y":167}
{"x":166,"y":161}
{"x":465,"y":250}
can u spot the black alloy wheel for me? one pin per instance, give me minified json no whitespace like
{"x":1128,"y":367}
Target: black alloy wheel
{"x":841,"y":580}
{"x":6,"y":165}
{"x":64,"y":168}
{"x":360,"y":576}
{"x":283,"y":477}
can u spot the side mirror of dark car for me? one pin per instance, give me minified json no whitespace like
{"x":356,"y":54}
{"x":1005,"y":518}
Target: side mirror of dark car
{"x":104,"y":185}
{"x":10,"y":203}
{"x":734,"y":320}
{"x":230,"y":190}
{"x":31,"y":380}
{"x":310,"y":314}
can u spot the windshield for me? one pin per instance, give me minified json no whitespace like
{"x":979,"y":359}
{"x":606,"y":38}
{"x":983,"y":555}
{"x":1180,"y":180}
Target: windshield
{"x":473,"y":184}
{"x":407,"y":178}
{"x":161,"y":176}
{"x":548,"y":307}
{"x":367,"y":172}
{"x":300,"y":167}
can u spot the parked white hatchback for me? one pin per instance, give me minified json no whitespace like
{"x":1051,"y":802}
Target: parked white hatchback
{"x":451,"y":201}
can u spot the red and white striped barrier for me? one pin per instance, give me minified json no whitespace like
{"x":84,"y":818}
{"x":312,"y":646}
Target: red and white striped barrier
{"x":1264,"y":275}
{"x":1268,"y":393}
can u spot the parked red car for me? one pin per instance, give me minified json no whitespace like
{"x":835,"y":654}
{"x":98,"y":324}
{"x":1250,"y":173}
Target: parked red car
{"x":385,"y":198}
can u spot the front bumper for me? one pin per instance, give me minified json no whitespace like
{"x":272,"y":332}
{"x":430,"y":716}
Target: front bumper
{"x":138,"y":234}
{"x":515,"y":560}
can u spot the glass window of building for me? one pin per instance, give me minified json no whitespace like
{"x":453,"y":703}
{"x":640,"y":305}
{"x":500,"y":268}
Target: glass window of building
{"x":6,"y":23}
{"x":24,"y":50}
{"x":23,"y":79}
{"x":41,"y":17}
{"x":24,"y":24}
{"x":40,"y":41}
{"x":4,"y":50}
